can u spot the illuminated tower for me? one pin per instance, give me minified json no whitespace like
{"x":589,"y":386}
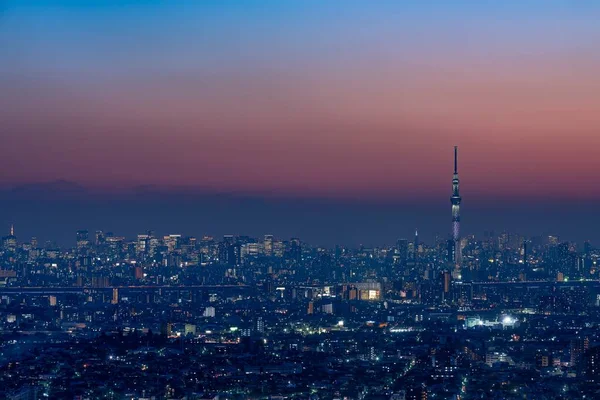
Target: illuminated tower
{"x":416,"y":239}
{"x":455,"y":200}
{"x":416,"y":248}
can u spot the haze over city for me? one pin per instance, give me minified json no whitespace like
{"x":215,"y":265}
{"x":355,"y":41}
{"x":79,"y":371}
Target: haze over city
{"x":317,"y":108}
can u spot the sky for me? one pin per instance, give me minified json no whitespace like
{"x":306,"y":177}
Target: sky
{"x":302,"y":103}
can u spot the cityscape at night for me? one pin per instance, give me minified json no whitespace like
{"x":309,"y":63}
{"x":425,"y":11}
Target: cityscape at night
{"x":271,"y":200}
{"x":501,"y":316}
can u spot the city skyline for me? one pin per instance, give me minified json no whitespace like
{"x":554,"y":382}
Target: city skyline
{"x":51,"y":214}
{"x":454,"y":241}
{"x":69,"y":207}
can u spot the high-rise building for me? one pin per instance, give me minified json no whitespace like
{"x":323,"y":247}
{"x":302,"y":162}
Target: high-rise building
{"x":295,"y":250}
{"x":450,"y":251}
{"x":416,"y":238}
{"x":592,"y":367}
{"x":278,"y":248}
{"x":209,"y":312}
{"x":456,"y":200}
{"x":259,"y":325}
{"x":416,"y":247}
{"x":83,"y":239}
{"x":578,"y":348}
{"x":327,"y":308}
{"x":171,"y":241}
{"x":100,"y":238}
{"x":587,"y":248}
{"x":141,"y":245}
{"x":416,"y":392}
{"x":401,"y":252}
{"x":463,"y":293}
{"x":230,"y":251}
{"x":446,"y":283}
{"x":189,"y":329}
{"x":542,"y":360}
{"x":166,"y":328}
{"x":10,"y":241}
{"x":268,"y":245}
{"x":524,"y":252}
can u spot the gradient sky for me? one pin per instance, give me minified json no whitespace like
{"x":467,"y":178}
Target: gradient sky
{"x":321,"y":99}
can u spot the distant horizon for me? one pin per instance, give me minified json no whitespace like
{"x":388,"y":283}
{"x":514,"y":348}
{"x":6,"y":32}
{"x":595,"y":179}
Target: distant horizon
{"x":389,"y":197}
{"x":41,"y":211}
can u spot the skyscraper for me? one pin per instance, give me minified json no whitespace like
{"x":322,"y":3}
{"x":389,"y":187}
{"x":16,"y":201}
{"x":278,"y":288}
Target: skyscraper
{"x":401,"y":251}
{"x":455,"y":200}
{"x":416,"y":239}
{"x":446,"y":285}
{"x":578,"y":348}
{"x":83,"y":239}
{"x":10,"y":241}
{"x":268,"y":245}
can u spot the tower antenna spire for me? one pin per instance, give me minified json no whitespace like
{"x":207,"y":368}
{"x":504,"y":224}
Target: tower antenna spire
{"x":456,"y":159}
{"x":12,"y":229}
